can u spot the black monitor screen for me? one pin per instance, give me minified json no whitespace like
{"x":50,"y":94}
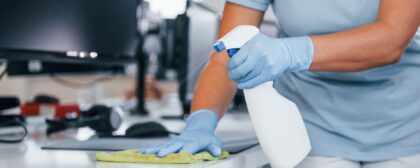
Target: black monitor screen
{"x":102,"y":26}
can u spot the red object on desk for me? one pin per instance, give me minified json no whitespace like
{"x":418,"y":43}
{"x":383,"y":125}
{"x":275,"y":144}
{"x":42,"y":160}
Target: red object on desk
{"x":30,"y":109}
{"x":61,"y":111}
{"x":67,"y":111}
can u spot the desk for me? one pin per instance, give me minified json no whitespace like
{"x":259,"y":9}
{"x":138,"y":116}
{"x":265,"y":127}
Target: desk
{"x":29,"y":154}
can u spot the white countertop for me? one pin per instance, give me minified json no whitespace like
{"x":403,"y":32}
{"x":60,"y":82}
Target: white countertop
{"x":29,"y":153}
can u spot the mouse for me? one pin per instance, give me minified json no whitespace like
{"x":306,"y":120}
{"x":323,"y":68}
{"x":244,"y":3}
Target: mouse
{"x":46,"y":99}
{"x":147,"y":129}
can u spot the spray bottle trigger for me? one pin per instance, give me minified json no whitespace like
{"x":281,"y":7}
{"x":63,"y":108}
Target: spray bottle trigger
{"x":232,"y":51}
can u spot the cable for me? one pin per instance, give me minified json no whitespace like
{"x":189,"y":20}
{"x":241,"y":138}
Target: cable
{"x":174,"y":133}
{"x":4,"y":72}
{"x":17,"y":140}
{"x":76,"y":85}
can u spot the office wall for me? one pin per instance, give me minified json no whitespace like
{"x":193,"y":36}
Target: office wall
{"x":27,"y":87}
{"x":13,"y":87}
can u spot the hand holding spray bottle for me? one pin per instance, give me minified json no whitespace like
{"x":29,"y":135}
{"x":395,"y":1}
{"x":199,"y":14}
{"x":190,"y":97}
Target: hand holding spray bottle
{"x":277,"y":120}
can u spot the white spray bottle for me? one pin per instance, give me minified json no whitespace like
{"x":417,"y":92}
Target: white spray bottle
{"x":277,"y":120}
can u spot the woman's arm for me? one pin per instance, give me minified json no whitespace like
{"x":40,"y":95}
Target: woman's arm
{"x":215,"y":90}
{"x":377,"y":44}
{"x":213,"y":94}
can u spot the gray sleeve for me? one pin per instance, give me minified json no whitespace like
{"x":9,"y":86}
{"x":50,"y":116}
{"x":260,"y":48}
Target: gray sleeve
{"x":260,"y":5}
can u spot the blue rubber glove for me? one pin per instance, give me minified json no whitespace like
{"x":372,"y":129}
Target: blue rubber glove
{"x":197,"y":136}
{"x":264,"y":58}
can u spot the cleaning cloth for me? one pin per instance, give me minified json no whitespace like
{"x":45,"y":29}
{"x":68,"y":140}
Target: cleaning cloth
{"x":133,"y":156}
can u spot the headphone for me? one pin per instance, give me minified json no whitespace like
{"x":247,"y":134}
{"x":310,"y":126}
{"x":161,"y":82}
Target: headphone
{"x":103,"y":119}
{"x":13,"y":120}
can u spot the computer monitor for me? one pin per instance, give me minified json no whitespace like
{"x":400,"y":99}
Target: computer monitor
{"x":93,"y":32}
{"x":86,"y":31}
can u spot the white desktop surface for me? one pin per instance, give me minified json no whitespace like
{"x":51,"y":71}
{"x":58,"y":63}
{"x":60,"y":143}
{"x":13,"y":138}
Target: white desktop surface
{"x":29,"y":154}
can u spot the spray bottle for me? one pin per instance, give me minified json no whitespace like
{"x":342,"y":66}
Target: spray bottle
{"x":277,"y":120}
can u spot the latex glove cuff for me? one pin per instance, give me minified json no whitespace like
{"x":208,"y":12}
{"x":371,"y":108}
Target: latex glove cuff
{"x":202,"y":119}
{"x":300,"y":51}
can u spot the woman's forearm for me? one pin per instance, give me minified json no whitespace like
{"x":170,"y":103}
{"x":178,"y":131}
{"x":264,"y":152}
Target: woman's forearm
{"x":354,"y":50}
{"x":214,"y":89}
{"x":377,"y":44}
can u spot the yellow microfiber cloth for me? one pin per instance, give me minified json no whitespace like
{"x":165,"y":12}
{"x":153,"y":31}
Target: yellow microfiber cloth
{"x":133,"y":156}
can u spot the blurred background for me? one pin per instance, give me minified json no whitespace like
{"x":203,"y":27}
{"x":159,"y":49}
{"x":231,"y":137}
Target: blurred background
{"x":77,"y":74}
{"x":160,"y":44}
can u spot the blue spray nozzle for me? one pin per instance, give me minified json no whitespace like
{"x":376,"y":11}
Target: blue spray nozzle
{"x":219,"y":46}
{"x":232,"y":51}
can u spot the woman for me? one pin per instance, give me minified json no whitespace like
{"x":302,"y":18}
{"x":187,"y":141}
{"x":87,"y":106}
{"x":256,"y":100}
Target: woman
{"x":351,"y":66}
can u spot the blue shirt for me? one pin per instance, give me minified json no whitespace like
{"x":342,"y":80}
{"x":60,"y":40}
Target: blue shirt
{"x":365,"y":116}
